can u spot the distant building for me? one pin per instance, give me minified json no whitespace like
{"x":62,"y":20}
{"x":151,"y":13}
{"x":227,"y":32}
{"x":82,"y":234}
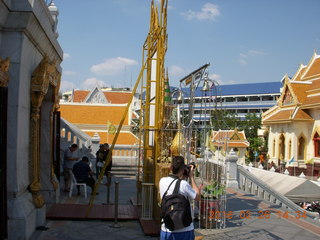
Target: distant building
{"x":223,"y":141}
{"x":100,"y":111}
{"x":236,"y":98}
{"x":294,"y":122}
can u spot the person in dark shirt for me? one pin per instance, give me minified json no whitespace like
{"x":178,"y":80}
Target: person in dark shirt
{"x":109,"y":166}
{"x":83,"y":174}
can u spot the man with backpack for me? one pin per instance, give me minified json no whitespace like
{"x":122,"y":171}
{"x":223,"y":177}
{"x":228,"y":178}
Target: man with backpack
{"x":175,"y":193}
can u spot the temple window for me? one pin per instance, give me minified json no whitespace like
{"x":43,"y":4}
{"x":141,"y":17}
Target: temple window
{"x":274,"y":148}
{"x":289,"y":150}
{"x":301,"y":147}
{"x":316,"y":141}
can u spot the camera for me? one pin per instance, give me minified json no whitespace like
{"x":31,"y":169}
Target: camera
{"x":187,"y":169}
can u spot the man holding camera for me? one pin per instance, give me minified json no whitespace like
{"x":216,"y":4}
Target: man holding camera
{"x":167,"y":186}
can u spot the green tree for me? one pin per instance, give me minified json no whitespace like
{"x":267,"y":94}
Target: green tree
{"x":250,"y":125}
{"x":224,"y":119}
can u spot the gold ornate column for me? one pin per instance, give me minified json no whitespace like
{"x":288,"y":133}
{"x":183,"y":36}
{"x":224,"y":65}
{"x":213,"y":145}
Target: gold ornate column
{"x":39,"y":88}
{"x":55,"y":80}
{"x":4,"y":75}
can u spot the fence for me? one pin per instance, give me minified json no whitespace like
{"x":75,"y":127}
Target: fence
{"x":251,"y":184}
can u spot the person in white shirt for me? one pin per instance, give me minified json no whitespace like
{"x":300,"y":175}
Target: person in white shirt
{"x":189,"y":191}
{"x":69,"y":161}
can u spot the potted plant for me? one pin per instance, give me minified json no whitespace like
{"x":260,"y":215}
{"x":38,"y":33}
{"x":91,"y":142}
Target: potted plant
{"x":209,"y":204}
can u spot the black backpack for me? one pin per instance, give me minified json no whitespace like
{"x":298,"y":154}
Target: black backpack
{"x":175,"y":209}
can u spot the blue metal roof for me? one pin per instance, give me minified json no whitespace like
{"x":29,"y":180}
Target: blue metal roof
{"x":241,"y":89}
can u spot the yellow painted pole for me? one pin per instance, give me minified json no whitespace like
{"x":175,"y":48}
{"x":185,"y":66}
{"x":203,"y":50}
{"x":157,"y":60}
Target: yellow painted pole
{"x":114,"y":141}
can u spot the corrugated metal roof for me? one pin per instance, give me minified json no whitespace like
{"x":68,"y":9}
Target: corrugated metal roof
{"x":240,"y":89}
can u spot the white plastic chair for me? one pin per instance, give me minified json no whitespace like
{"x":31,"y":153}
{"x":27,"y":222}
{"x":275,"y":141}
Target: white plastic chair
{"x":75,"y":183}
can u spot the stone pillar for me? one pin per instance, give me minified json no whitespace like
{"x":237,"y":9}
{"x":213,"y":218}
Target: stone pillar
{"x":232,"y":170}
{"x":95,"y":140}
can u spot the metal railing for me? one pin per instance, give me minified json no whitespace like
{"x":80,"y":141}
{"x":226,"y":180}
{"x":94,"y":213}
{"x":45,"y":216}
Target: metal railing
{"x":147,"y":201}
{"x":251,"y":184}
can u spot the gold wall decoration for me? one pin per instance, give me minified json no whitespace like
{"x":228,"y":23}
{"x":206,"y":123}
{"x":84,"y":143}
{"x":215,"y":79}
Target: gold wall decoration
{"x":55,"y":106}
{"x":43,"y":75}
{"x":4,"y":72}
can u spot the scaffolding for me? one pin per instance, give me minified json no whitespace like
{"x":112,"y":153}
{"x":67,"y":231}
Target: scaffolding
{"x":164,"y":128}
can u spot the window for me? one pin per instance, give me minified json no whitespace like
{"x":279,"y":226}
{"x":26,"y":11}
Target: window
{"x":316,"y":141}
{"x":229,"y":99}
{"x":274,"y":148}
{"x":254,"y":98}
{"x":301,"y":147}
{"x":242,"y":110}
{"x":242,"y":99}
{"x":289,"y":150}
{"x":267,"y":98}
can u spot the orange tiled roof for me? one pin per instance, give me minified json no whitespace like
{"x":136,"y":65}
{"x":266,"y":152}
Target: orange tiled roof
{"x":80,"y":95}
{"x":299,"y":73}
{"x":118,"y":97}
{"x":233,"y":138}
{"x":280,"y":115}
{"x":224,"y":134}
{"x":233,"y":144}
{"x":304,"y":88}
{"x":92,"y":114}
{"x":123,"y":138}
{"x":312,"y":100}
{"x":287,"y":115}
{"x":302,"y":115}
{"x":299,"y":90}
{"x":314,"y":69}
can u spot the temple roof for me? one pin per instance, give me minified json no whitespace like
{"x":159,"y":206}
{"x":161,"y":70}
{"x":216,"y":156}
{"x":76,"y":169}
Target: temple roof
{"x":298,"y":94}
{"x":112,"y":97}
{"x":229,"y":138}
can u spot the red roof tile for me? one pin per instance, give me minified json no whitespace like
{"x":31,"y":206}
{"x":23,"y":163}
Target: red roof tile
{"x":118,"y":97}
{"x":80,"y":95}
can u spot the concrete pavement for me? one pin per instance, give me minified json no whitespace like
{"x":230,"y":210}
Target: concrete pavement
{"x":254,"y":225}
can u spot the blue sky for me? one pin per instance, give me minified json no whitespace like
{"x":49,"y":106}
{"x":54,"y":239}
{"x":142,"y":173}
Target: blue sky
{"x":243,"y":40}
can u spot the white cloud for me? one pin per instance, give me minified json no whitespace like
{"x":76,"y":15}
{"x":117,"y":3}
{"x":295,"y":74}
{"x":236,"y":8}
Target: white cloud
{"x":66,"y":56}
{"x":214,"y":76}
{"x":92,"y":82}
{"x":112,"y":66}
{"x":243,"y":57}
{"x":209,"y":11}
{"x":69,"y":73}
{"x":176,"y":71}
{"x":66,"y":86}
{"x":242,"y":61}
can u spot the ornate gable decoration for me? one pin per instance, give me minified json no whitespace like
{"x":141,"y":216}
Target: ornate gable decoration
{"x":4,"y":75}
{"x":44,"y":74}
{"x":235,"y":136}
{"x":287,"y":97}
{"x":96,"y":96}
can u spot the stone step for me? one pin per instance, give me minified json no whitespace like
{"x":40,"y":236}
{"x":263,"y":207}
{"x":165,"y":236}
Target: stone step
{"x":123,"y":173}
{"x":118,"y":168}
{"x":124,"y":170}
